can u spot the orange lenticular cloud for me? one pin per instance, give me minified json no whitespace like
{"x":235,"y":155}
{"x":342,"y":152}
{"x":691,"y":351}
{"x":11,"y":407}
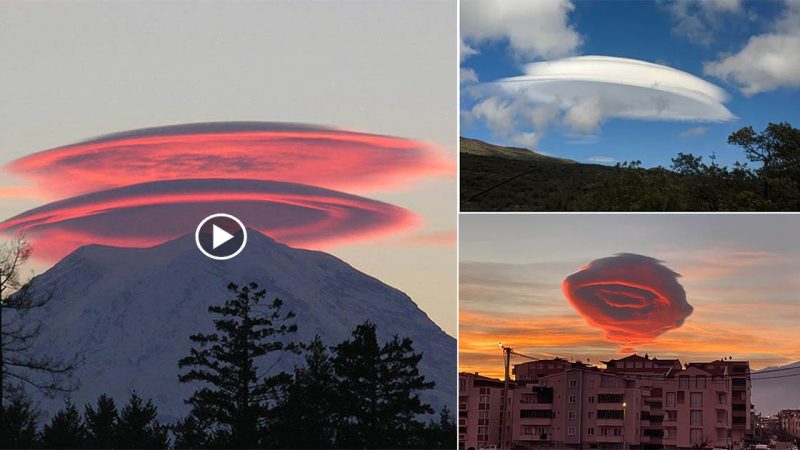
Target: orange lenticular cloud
{"x":147,"y":214}
{"x":632,"y":298}
{"x":296,"y":153}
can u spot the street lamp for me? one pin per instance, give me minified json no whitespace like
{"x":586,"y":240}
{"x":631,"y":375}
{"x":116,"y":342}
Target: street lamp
{"x":624,"y":417}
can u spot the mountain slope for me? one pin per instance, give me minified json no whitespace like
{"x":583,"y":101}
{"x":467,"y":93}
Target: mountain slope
{"x":129,"y":313}
{"x":770,"y":395}
{"x":480,"y":148}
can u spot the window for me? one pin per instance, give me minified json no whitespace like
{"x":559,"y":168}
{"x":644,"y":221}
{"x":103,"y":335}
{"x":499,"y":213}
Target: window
{"x":696,"y":399}
{"x":722,"y":398}
{"x":528,"y":398}
{"x":484,"y":399}
{"x":605,"y":431}
{"x":617,"y":431}
{"x":695,"y":417}
{"x":700,"y":382}
{"x":683,"y":382}
{"x":591,"y":399}
{"x":670,"y":399}
{"x":696,"y":436}
{"x":535,"y":413}
{"x":483,"y":414}
{"x":483,"y":430}
{"x":572,"y":399}
{"x":610,"y":414}
{"x":572,"y":383}
{"x":571,"y":414}
{"x":681,"y":397}
{"x":670,"y":433}
{"x":571,"y":431}
{"x":610,"y":398}
{"x":722,"y":417}
{"x":462,"y":384}
{"x":483,"y":391}
{"x":671,"y":416}
{"x":590,"y":431}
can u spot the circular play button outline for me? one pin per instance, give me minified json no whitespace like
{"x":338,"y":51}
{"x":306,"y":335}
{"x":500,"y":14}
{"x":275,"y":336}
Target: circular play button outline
{"x":214,"y":216}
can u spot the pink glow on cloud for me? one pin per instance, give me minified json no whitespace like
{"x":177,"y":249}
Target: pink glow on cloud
{"x":325,"y":157}
{"x":150,"y":213}
{"x":632,"y":298}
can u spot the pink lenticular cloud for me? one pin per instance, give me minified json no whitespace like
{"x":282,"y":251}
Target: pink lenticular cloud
{"x":295,"y":153}
{"x":150,"y":213}
{"x":632,"y":298}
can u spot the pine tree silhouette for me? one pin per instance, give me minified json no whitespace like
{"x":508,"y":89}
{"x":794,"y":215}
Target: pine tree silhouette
{"x":378,"y":391}
{"x":65,"y":430}
{"x":237,"y":395}
{"x":18,"y":420}
{"x":138,"y":425}
{"x":306,"y":417}
{"x":101,"y":423}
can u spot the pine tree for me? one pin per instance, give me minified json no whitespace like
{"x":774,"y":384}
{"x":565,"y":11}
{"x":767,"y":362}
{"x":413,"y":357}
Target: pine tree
{"x":138,"y":425}
{"x":18,"y":420}
{"x":101,"y":423}
{"x":65,"y":430}
{"x":379,"y":391}
{"x":357,"y":365}
{"x":237,"y":395}
{"x":192,"y":432}
{"x":306,"y":416}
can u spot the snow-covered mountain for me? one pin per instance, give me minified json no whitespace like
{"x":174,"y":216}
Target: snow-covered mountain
{"x":129,"y":313}
{"x":774,"y":390}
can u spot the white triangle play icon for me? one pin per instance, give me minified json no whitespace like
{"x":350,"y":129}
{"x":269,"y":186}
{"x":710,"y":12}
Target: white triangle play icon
{"x":219,"y":236}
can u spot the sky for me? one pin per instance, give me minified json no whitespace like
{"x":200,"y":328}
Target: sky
{"x":545,"y":75}
{"x":737,"y":274}
{"x":343,"y":80}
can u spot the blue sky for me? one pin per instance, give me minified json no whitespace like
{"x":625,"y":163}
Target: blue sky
{"x":688,"y":36}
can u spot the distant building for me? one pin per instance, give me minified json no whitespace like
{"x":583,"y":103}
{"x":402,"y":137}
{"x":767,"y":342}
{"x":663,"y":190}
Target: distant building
{"x":636,"y":402}
{"x":789,"y":422}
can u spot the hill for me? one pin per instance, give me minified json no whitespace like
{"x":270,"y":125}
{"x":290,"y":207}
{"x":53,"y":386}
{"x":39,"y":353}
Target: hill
{"x":129,"y":313}
{"x":778,"y":390}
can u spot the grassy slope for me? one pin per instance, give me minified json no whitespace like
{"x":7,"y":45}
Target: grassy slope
{"x":549,"y":184}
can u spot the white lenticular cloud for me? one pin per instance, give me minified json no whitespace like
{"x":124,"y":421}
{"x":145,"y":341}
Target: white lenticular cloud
{"x":591,"y":89}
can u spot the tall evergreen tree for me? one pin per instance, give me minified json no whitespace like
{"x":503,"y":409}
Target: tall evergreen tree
{"x":238,"y":394}
{"x":101,"y":423}
{"x":65,"y":430}
{"x":379,"y":391}
{"x":18,"y":420}
{"x":306,"y":417}
{"x":138,"y":425}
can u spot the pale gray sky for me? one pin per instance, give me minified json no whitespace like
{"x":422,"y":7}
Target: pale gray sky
{"x":74,"y":70}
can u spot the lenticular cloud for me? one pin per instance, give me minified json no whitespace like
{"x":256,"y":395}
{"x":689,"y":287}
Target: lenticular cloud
{"x":143,"y":187}
{"x":604,"y":86}
{"x":296,"y":153}
{"x":632,"y":298}
{"x":147,"y":214}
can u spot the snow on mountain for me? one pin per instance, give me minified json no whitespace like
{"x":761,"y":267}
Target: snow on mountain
{"x":129,"y":313}
{"x":774,"y":390}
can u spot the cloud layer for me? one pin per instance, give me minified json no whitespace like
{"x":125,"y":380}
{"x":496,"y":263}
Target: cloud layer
{"x":582,"y":92}
{"x":768,"y":61}
{"x":294,"y":153}
{"x":632,"y":298}
{"x":147,"y":214}
{"x":533,"y":29}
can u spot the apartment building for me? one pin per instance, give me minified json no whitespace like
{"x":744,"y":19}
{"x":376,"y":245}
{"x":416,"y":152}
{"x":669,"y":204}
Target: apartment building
{"x":789,"y":421}
{"x":479,"y":411}
{"x":636,"y":402}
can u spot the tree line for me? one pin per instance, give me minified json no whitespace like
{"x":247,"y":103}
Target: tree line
{"x":359,"y":393}
{"x":692,"y":184}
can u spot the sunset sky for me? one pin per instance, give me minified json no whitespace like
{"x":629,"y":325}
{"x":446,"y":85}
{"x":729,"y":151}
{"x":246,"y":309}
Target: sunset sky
{"x":81,"y":70}
{"x":739,"y":272}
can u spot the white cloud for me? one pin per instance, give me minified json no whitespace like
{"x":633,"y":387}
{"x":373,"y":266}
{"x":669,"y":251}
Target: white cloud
{"x":601,"y":159}
{"x":693,"y":132}
{"x":468,"y":76}
{"x":580,"y":93}
{"x":768,"y":61}
{"x":534,"y":29}
{"x":529,"y":140}
{"x":466,"y":51}
{"x":697,"y":20}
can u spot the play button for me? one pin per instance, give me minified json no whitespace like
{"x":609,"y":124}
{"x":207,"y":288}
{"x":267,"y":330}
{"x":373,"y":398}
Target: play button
{"x":221,"y":236}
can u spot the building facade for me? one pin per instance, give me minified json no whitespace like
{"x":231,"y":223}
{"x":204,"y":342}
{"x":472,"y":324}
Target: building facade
{"x":789,"y":422}
{"x":634,"y":403}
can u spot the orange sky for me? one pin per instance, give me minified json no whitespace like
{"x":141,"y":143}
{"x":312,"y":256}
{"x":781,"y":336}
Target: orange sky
{"x":742,"y":285}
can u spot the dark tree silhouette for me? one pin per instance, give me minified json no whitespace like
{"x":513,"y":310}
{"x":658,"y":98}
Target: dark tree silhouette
{"x":138,"y":426}
{"x":19,"y":364}
{"x":65,"y":430}
{"x":306,"y":417}
{"x":378,"y":388}
{"x":101,"y":423}
{"x":238,"y":394}
{"x":18,"y":421}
